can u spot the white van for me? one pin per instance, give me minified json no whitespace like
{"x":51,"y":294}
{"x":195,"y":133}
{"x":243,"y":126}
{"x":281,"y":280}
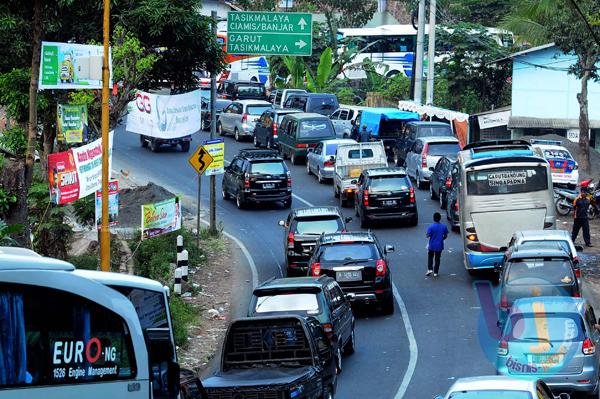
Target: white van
{"x":68,"y":336}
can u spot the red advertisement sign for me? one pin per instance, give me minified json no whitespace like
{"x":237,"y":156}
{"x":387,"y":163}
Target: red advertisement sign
{"x":62,"y":177}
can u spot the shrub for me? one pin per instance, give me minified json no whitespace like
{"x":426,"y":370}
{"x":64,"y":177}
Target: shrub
{"x":183,"y":316}
{"x":85,"y":210}
{"x":85,"y":261}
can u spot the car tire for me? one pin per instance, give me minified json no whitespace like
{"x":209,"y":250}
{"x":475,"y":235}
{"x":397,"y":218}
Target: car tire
{"x":153,"y":146}
{"x":308,"y":172}
{"x":255,"y":141}
{"x":414,"y":221}
{"x":220,"y":129}
{"x":328,"y":394}
{"x":420,"y":185}
{"x":432,"y":193}
{"x":143,"y":141}
{"x":294,"y":158}
{"x":224,"y":193}
{"x":351,"y":344}
{"x":387,"y":305}
{"x":343,"y":202}
{"x":239,"y":201}
{"x":185,"y":146}
{"x":320,"y":177}
{"x":338,"y":360}
{"x":236,"y":134}
{"x":287,"y":204}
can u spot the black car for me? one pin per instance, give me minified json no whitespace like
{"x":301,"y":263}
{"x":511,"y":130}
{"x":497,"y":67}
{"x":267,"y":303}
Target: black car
{"x":319,"y":297}
{"x":266,"y":130}
{"x":359,"y":264}
{"x":303,"y":227}
{"x":452,"y":192}
{"x":220,"y":105}
{"x":320,"y":103}
{"x":256,"y":176}
{"x":190,"y":386}
{"x":275,"y":358}
{"x":441,"y":179}
{"x":414,"y":130}
{"x":385,"y":194}
{"x":242,"y":90}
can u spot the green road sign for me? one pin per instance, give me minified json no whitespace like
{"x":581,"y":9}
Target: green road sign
{"x":269,"y":33}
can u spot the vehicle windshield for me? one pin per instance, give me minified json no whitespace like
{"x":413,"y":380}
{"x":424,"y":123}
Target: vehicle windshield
{"x":490,"y":394}
{"x":322,"y":104}
{"x":441,"y":149}
{"x":257,"y":109}
{"x":507,"y":180}
{"x":432,"y":131}
{"x":537,"y":327}
{"x":301,"y":302}
{"x":315,"y":129}
{"x":540,"y":271}
{"x":317,"y":226}
{"x":563,"y":154}
{"x":344,"y":252}
{"x":547,"y":244}
{"x":251,"y":90}
{"x":149,"y":305}
{"x":389,"y":183}
{"x":267,"y":168}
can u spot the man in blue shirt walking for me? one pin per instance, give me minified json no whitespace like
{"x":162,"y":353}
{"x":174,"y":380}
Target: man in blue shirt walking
{"x":436,"y":232}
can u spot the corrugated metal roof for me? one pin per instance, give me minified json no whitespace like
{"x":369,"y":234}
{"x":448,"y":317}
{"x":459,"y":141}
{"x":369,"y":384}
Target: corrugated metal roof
{"x":547,"y":123}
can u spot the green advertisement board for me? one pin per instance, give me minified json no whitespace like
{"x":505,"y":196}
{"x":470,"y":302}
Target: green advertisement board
{"x":72,"y":123}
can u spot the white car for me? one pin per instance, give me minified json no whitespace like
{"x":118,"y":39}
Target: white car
{"x":344,"y":118}
{"x":564,"y":167}
{"x":500,"y":387}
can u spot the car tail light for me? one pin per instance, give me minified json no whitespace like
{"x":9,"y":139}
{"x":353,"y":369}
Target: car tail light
{"x":576,"y":294}
{"x":424,"y":156}
{"x":291,"y":239}
{"x":328,"y":328}
{"x":301,"y":145}
{"x":504,"y":302}
{"x":412,"y":195}
{"x":380,"y":267}
{"x":503,"y":348}
{"x":289,"y":180}
{"x":328,"y":164}
{"x":448,"y":182}
{"x":366,"y":197}
{"x":456,"y":205}
{"x":245,"y":118}
{"x":588,"y":347}
{"x":275,"y":132}
{"x":315,"y":269}
{"x":246,"y":180}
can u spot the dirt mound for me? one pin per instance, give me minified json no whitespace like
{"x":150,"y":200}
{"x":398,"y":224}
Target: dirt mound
{"x":131,"y":200}
{"x":574,"y":150}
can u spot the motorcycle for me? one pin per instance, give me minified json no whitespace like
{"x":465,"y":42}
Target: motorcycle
{"x":564,"y":199}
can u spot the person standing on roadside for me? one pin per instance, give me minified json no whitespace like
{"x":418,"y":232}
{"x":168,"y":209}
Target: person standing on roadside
{"x":363,"y":135}
{"x":436,"y":232}
{"x":581,"y":204}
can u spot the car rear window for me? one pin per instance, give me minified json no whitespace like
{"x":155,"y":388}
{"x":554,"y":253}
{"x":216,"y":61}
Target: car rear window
{"x":507,"y":180}
{"x":267,"y":168}
{"x":547,"y":244}
{"x":317,"y":104}
{"x":432,"y":131}
{"x":315,"y":129}
{"x":251,"y":90}
{"x":564,"y":154}
{"x":441,"y":149}
{"x":350,"y":251}
{"x":317,"y":226}
{"x":389,"y":183}
{"x":356,"y":154}
{"x":257,"y":109}
{"x":302,"y":302}
{"x":540,"y":271}
{"x":544,"y":326}
{"x":490,"y":394}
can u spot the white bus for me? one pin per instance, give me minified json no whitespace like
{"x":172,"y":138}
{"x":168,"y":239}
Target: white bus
{"x":503,"y":188}
{"x":391,"y":48}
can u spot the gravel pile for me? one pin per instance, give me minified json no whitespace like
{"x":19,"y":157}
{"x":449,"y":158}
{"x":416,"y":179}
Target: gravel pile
{"x":132,"y":199}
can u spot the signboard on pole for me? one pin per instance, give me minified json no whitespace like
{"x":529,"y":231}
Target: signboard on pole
{"x":269,"y":33}
{"x":71,"y":66}
{"x":161,"y":217}
{"x":200,"y":160}
{"x":72,"y":123}
{"x":216,"y":149}
{"x":113,"y":205}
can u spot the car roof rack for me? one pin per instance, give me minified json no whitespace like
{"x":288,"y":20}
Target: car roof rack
{"x":258,"y":153}
{"x":496,"y":143}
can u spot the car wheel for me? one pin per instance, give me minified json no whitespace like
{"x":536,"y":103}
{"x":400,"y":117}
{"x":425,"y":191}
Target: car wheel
{"x":143,"y":141}
{"x":308,"y":172}
{"x":153,"y":146}
{"x":294,"y":158}
{"x":351,"y":344}
{"x":320,"y":176}
{"x":220,"y":129}
{"x":336,"y":194}
{"x":236,"y":133}
{"x":328,"y":393}
{"x":431,"y":193}
{"x":224,"y":193}
{"x":239,"y":201}
{"x":255,"y":141}
{"x":287,"y":204}
{"x":414,"y":221}
{"x":420,"y":185}
{"x":387,"y":306}
{"x":338,"y":360}
{"x":185,"y":146}
{"x":343,"y":202}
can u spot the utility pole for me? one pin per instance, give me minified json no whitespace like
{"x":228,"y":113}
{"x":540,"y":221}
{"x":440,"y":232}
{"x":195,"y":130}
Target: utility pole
{"x":213,"y":133}
{"x":431,"y":53}
{"x":104,"y":229}
{"x":420,"y":53}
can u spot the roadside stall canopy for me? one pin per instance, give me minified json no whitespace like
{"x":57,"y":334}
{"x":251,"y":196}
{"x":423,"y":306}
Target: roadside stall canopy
{"x":375,"y":117}
{"x":458,"y":120}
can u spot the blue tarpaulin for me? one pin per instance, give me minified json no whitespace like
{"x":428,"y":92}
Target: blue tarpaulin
{"x":372,"y":117}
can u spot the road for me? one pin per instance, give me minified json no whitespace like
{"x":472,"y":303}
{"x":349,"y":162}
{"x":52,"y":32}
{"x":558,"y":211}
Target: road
{"x":444,"y":313}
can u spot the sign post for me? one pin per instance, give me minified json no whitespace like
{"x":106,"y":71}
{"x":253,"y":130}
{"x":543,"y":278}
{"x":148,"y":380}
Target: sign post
{"x":269,"y":33}
{"x":200,"y":160}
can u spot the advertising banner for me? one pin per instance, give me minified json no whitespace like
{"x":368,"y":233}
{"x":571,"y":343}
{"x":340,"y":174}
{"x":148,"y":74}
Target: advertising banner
{"x":161,"y":217}
{"x":113,"y":205}
{"x":216,"y":148}
{"x":72,"y":123}
{"x":166,"y":117}
{"x":72,"y":66}
{"x":77,"y":173}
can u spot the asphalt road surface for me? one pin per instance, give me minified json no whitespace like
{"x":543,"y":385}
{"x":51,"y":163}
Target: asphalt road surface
{"x":443,"y":315}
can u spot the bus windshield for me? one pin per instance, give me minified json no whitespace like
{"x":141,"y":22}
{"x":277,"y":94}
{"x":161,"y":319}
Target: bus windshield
{"x":507,"y":180}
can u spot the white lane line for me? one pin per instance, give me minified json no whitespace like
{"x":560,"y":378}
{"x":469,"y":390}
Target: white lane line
{"x":412,"y":342}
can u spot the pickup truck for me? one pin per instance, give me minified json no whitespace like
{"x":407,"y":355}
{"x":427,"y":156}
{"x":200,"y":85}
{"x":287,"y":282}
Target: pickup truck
{"x":351,"y":160}
{"x":155,"y":143}
{"x":274,"y":358}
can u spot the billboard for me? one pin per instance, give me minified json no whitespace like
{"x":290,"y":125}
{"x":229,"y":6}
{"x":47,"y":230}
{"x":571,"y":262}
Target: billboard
{"x":113,"y":204}
{"x":72,"y":123}
{"x":161,"y":217}
{"x":71,"y":66}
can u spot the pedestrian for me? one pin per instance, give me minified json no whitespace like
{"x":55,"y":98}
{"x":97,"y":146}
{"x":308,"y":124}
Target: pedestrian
{"x":581,"y":204}
{"x":363,"y":135}
{"x":436,"y":232}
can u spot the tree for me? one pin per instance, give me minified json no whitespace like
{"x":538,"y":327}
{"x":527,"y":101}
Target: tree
{"x":567,"y":24}
{"x":483,"y":12}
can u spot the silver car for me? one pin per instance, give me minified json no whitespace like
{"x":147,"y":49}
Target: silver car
{"x":344,"y":118}
{"x":239,"y":118}
{"x":499,"y":387}
{"x":320,"y":161}
{"x":425,"y":153}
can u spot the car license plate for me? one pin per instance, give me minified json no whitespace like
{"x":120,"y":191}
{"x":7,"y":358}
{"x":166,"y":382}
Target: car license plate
{"x":390,"y":203}
{"x":353,"y":275}
{"x":269,"y":185}
{"x":307,"y":249}
{"x":547,"y":359}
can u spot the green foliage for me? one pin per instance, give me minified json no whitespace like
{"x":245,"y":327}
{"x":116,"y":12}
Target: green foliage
{"x":14,"y":140}
{"x":130,"y":58}
{"x":6,"y":199}
{"x":85,"y":210}
{"x":319,"y":82}
{"x":6,"y":231}
{"x":398,"y":88}
{"x":183,"y":316}
{"x":296,"y":69}
{"x":85,"y":261}
{"x":14,"y":93}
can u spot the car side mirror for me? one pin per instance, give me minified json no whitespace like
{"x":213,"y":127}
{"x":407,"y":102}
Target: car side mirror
{"x":579,"y":247}
{"x":348,"y":219}
{"x":310,"y":150}
{"x":354,"y":181}
{"x":173,"y":378}
{"x":389,"y":248}
{"x":282,"y":223}
{"x":431,"y":169}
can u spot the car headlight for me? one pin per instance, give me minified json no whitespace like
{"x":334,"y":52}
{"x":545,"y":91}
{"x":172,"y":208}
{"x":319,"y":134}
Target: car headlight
{"x":296,"y":391}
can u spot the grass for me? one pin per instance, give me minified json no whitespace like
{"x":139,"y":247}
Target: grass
{"x":184,"y":315}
